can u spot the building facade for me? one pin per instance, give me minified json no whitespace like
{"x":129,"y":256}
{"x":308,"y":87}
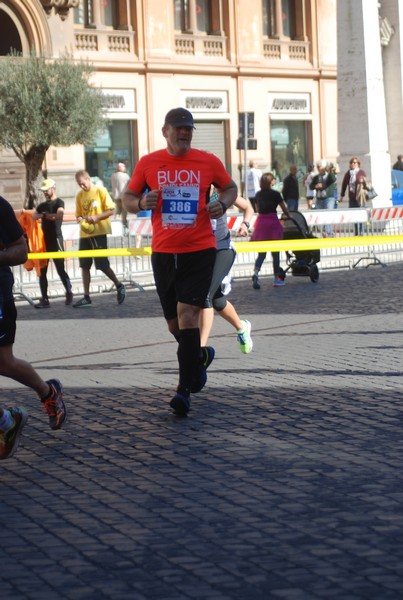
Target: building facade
{"x":273,"y":60}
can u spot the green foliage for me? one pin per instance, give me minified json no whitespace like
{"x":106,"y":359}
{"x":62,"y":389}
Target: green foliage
{"x":47,"y":103}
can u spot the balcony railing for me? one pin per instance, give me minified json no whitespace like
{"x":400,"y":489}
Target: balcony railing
{"x":111,"y":41}
{"x":285,"y":50}
{"x":200,"y":45}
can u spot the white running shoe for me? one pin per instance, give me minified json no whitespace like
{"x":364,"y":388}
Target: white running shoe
{"x":244,"y":337}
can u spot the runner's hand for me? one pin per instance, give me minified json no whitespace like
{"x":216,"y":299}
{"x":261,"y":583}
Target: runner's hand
{"x":150,"y":200}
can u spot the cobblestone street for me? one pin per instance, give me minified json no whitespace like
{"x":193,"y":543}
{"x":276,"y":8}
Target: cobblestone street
{"x":284,"y":482}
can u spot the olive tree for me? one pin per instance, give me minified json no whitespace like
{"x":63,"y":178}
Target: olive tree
{"x":46,"y":103}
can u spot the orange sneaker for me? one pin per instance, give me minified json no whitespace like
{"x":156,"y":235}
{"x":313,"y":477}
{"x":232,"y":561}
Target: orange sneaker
{"x":54,"y":404}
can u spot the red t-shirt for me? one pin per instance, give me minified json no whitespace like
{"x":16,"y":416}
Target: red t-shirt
{"x":180,"y":221}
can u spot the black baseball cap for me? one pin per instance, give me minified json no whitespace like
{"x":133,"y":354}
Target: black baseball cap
{"x":179,"y":117}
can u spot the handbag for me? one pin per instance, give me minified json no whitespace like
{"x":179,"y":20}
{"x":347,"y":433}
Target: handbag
{"x":369,"y":190}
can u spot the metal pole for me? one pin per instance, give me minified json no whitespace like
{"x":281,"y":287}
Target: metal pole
{"x":245,"y":153}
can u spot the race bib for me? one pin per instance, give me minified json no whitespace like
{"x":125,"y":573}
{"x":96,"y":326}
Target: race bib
{"x":179,"y":205}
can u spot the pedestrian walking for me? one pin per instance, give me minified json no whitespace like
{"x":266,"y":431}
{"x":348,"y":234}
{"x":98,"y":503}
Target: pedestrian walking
{"x":51,"y":213}
{"x":119,"y":181}
{"x":13,"y":251}
{"x":324,"y":185}
{"x":354,"y":181}
{"x":178,"y":179}
{"x":268,"y":227}
{"x":253,"y":175}
{"x":94,"y":207}
{"x":307,"y":180}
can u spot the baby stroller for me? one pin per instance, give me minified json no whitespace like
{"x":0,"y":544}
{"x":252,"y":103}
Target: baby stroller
{"x":301,"y":263}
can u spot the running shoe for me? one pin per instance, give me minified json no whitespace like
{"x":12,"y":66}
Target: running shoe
{"x":69,"y":298}
{"x":83,"y":302}
{"x":278,"y":282}
{"x":208,"y":354}
{"x":9,"y":439}
{"x":255,"y":282}
{"x":206,"y":359}
{"x":43,"y":303}
{"x":54,"y":404}
{"x":244,"y":337}
{"x":180,"y":404}
{"x":121,"y":293}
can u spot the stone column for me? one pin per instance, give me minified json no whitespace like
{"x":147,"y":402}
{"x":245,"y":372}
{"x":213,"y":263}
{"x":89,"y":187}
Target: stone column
{"x":279,"y":20}
{"x":362,"y":128}
{"x":391,"y":12}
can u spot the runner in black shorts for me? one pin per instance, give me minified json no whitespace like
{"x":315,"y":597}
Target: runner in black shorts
{"x":182,"y":278}
{"x":175,"y":184}
{"x":13,"y":251}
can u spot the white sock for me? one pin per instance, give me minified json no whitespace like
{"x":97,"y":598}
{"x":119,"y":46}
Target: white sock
{"x":243,"y":328}
{"x":6,"y":421}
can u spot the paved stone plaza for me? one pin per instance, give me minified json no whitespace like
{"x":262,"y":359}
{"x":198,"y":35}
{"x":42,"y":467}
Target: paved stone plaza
{"x":285,"y":481}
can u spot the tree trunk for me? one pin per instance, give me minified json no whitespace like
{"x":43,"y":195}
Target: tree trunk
{"x":33,"y":160}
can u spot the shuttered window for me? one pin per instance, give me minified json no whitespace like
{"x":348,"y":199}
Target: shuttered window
{"x":210,"y":136}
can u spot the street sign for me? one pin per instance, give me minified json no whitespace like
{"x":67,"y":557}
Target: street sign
{"x":249,"y":117}
{"x":252,"y":144}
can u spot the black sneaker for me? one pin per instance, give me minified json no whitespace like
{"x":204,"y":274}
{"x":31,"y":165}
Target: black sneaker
{"x":121,"y":293}
{"x":54,"y":404}
{"x":200,"y":380}
{"x":84,"y":302}
{"x":180,"y":404}
{"x":69,"y":298}
{"x":43,"y":303}
{"x":255,"y":282}
{"x":9,"y":439}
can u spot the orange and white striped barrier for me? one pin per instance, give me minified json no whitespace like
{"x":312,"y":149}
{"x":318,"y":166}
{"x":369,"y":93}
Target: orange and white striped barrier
{"x":387,"y":214}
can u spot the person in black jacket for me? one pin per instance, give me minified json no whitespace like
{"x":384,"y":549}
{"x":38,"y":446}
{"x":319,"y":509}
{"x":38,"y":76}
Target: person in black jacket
{"x":290,"y":189}
{"x":398,"y":166}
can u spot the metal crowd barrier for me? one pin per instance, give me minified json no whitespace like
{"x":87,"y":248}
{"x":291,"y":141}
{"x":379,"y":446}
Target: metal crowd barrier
{"x":327,"y":225}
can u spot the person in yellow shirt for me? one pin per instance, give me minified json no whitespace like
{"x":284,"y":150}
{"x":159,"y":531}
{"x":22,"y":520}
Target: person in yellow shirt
{"x":94,"y":207}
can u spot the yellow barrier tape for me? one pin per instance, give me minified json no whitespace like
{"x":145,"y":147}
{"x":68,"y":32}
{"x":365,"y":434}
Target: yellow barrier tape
{"x":269,"y":246}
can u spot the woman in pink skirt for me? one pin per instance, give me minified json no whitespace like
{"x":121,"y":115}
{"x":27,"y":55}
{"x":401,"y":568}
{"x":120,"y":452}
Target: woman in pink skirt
{"x":268,"y":226}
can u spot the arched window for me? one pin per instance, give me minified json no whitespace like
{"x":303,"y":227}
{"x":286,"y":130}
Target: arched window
{"x":10,"y":39}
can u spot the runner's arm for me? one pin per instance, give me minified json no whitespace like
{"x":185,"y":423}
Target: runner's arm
{"x":15,"y":253}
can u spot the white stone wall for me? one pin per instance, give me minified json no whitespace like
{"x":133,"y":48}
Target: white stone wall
{"x":361,"y":111}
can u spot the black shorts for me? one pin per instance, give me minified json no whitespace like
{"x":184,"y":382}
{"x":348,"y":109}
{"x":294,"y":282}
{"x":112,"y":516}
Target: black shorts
{"x":98,"y":242}
{"x":8,"y":312}
{"x":182,"y":278}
